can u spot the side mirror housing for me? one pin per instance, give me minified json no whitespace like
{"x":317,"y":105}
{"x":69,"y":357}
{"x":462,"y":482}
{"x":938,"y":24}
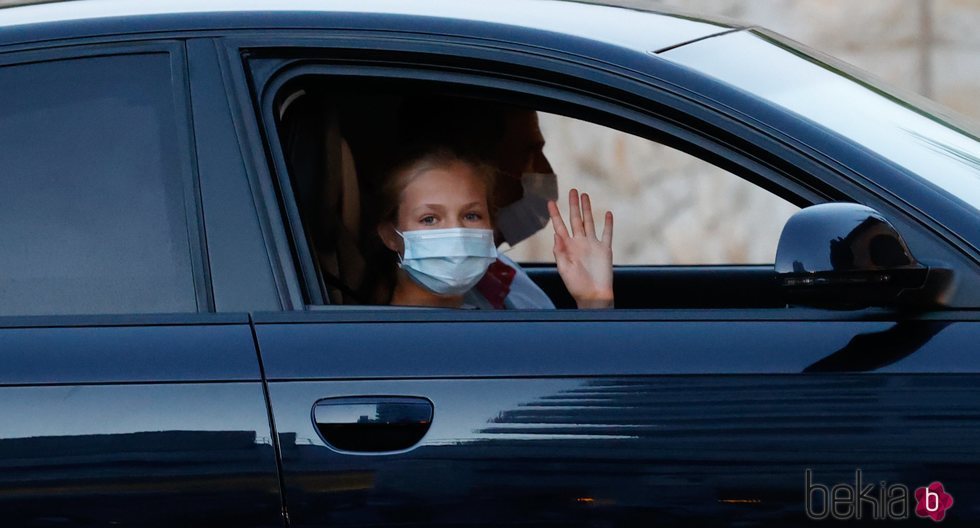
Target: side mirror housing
{"x":846,"y":255}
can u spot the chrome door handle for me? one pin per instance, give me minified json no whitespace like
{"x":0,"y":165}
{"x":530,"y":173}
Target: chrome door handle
{"x":372,"y":424}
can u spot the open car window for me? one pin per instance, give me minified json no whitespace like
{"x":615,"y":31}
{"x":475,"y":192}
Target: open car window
{"x":688,"y":233}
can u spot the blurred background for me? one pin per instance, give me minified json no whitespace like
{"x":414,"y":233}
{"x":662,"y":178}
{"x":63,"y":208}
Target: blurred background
{"x":673,"y":209}
{"x":931,"y":47}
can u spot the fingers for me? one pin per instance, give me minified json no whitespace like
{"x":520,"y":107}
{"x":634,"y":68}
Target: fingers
{"x":587,"y":216}
{"x":580,"y":218}
{"x":575,"y":213}
{"x":607,"y":230}
{"x":556,"y":221}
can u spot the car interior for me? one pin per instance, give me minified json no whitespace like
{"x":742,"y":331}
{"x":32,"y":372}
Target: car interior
{"x":334,"y":135}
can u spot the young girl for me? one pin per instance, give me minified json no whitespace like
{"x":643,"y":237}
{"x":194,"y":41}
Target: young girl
{"x":437,"y":218}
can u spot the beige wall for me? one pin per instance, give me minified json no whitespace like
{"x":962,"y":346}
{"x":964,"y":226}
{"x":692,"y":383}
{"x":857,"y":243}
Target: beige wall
{"x":669,"y":207}
{"x":931,"y":47}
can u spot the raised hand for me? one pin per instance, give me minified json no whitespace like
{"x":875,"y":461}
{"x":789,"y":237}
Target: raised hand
{"x":584,"y":260}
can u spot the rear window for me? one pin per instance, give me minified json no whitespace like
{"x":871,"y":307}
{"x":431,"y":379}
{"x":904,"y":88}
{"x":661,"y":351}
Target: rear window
{"x":94,"y":189}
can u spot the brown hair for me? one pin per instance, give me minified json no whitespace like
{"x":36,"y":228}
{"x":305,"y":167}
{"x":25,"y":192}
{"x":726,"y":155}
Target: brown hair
{"x":419,"y":159}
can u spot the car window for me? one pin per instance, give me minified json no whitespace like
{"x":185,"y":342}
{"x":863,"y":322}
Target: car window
{"x":671,"y":207}
{"x":92,"y":189}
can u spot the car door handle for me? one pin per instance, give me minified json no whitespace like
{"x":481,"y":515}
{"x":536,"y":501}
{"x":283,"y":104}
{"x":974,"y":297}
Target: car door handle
{"x":372,"y":424}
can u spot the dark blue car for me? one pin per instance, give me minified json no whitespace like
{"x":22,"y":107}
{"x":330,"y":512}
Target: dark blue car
{"x":179,"y":347}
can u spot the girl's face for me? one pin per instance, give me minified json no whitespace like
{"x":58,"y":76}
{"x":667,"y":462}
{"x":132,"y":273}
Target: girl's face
{"x":444,"y":197}
{"x":441,"y":198}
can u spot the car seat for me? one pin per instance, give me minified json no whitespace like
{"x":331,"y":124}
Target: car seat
{"x":324,"y":178}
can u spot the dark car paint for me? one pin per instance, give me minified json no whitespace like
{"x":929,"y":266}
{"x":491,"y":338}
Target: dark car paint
{"x":686,"y":450}
{"x":670,"y":417}
{"x":703,"y":419}
{"x":135,"y":421}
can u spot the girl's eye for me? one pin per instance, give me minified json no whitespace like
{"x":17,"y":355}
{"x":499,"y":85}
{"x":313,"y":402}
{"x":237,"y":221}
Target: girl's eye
{"x":473,"y":217}
{"x":428,"y":220}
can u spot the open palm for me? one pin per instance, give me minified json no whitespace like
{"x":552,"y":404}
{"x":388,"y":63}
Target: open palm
{"x":584,"y":260}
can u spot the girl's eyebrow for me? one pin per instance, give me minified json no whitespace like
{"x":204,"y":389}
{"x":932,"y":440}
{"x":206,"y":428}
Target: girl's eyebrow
{"x":436,"y":207}
{"x":441,"y":207}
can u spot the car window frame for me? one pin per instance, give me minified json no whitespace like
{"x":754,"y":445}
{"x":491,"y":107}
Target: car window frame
{"x":795,"y":171}
{"x":307,"y":270}
{"x":189,"y":177}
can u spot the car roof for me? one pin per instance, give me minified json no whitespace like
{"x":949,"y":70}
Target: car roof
{"x":639,"y":30}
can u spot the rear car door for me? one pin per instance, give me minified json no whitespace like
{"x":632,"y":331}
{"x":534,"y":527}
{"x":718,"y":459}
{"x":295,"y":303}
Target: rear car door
{"x":673,"y":417}
{"x":124,"y":400}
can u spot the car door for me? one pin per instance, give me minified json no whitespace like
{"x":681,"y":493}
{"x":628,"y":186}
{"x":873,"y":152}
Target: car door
{"x":573,"y":419}
{"x":666,"y":416}
{"x":124,"y":399}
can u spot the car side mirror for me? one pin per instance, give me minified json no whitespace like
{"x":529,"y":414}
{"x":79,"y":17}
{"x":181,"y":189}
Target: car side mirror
{"x":845,"y":255}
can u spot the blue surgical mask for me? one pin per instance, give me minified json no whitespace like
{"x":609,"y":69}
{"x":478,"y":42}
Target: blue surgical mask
{"x":448,"y":261}
{"x":529,"y":214}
